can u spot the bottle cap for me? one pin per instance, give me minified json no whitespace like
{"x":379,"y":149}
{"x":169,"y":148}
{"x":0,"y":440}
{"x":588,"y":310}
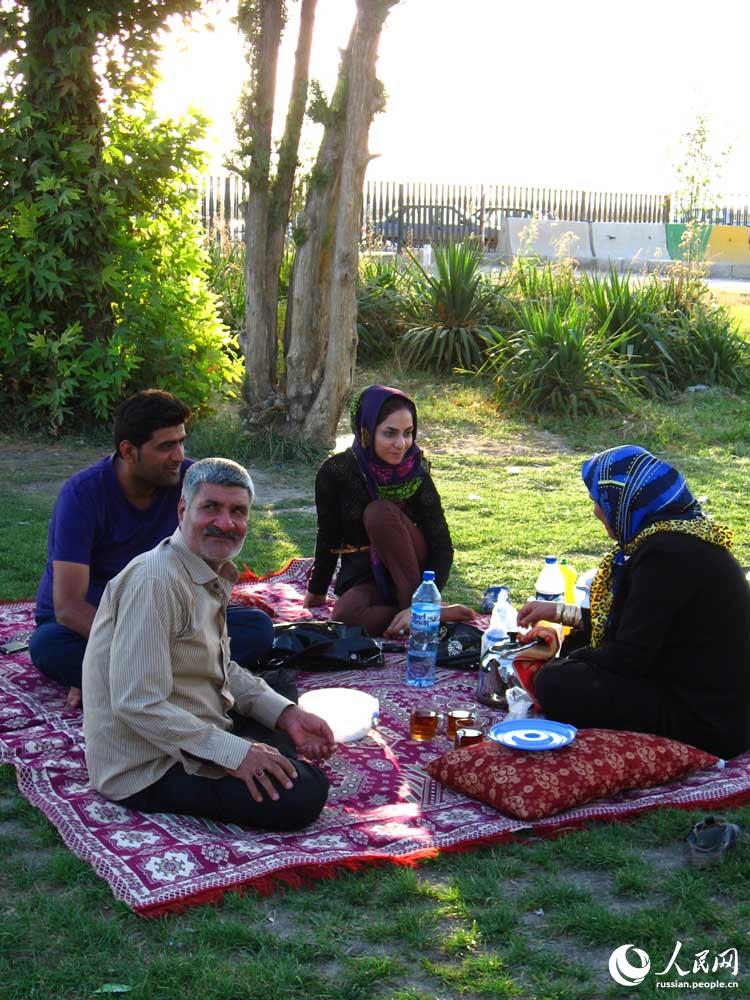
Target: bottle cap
{"x":550,"y":559}
{"x":428,"y":576}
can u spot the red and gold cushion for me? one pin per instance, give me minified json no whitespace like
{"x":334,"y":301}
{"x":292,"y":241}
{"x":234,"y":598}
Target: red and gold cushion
{"x":598,"y":764}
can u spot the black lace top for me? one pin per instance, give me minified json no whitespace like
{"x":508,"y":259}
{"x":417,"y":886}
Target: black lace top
{"x":340,"y":498}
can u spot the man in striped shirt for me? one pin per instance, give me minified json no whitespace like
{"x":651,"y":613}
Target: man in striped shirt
{"x":159,"y":684}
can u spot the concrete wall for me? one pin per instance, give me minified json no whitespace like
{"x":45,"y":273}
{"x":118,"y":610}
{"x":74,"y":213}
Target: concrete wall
{"x":550,"y":238}
{"x":728,"y":245}
{"x":629,"y":241}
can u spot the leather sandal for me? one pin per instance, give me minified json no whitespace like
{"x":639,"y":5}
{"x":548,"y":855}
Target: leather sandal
{"x":709,"y":840}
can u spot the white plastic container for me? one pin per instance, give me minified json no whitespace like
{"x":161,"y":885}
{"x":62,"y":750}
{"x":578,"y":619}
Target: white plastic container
{"x":351,"y":714}
{"x":502,"y":620}
{"x":550,"y":584}
{"x":583,"y":587}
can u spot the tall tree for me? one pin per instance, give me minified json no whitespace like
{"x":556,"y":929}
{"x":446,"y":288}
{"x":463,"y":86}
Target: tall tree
{"x":267,"y":214}
{"x":102,"y":274}
{"x":320,"y":337}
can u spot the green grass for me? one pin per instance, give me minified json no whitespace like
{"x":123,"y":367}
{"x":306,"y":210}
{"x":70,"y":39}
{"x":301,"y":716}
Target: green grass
{"x":738,"y":305}
{"x":524,"y":920}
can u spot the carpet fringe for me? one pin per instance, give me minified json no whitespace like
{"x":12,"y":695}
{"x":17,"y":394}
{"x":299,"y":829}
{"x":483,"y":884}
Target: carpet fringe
{"x":307,"y":875}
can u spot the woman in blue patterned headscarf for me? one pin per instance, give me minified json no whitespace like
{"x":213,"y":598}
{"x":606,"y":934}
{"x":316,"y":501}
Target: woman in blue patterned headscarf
{"x":665,"y":647}
{"x":636,"y":495}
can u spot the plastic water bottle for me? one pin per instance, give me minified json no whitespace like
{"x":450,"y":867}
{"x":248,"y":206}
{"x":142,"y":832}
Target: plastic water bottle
{"x":550,"y":584}
{"x":502,"y":620}
{"x":423,"y":633}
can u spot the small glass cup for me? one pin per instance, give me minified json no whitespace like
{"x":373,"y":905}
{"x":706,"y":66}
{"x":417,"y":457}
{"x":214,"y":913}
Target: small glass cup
{"x":423,"y":724}
{"x":459,"y":718}
{"x":468,"y":737}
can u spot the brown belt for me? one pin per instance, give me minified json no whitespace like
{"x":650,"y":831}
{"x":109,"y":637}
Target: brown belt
{"x":348,"y":550}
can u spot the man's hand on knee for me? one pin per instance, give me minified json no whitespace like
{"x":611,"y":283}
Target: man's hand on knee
{"x":262,"y":763}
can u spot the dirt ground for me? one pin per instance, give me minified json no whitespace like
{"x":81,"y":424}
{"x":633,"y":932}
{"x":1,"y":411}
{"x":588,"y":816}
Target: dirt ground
{"x":40,"y":468}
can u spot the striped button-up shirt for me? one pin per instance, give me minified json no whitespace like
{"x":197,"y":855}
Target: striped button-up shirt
{"x":158,"y":681}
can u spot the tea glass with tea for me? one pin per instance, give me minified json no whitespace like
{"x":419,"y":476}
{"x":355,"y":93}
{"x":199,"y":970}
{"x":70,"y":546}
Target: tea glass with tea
{"x":468,"y":737}
{"x":459,"y":718}
{"x":423,"y":723}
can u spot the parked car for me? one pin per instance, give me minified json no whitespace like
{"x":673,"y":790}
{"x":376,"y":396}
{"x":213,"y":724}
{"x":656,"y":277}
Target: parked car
{"x":435,"y":224}
{"x":493,"y":218}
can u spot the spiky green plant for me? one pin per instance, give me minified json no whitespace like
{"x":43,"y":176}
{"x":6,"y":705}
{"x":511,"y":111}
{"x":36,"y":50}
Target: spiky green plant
{"x":383,"y":305}
{"x":451,"y":304}
{"x":556,"y":363}
{"x":708,"y":349}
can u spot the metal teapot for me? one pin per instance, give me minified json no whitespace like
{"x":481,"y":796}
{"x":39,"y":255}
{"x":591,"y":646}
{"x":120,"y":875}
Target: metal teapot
{"x":496,"y":671}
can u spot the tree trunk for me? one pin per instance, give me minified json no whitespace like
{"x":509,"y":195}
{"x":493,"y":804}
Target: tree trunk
{"x":259,"y":344}
{"x":307,"y":302}
{"x":322,"y":327}
{"x":283,"y":184}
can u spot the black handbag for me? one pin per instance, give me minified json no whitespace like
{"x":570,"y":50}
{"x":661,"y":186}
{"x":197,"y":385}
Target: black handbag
{"x":459,"y":646}
{"x":320,"y":646}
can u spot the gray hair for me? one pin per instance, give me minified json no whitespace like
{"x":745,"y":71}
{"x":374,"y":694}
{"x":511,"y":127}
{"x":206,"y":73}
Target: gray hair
{"x":219,"y":472}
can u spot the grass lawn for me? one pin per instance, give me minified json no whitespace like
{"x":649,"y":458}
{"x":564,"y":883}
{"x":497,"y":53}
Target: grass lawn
{"x":535,"y":920}
{"x":738,"y":304}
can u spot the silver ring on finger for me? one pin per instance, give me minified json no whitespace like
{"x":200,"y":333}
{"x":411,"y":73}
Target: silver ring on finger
{"x":259,"y":772}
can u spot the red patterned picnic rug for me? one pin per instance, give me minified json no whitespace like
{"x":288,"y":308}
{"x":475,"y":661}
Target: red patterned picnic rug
{"x":383,"y":807}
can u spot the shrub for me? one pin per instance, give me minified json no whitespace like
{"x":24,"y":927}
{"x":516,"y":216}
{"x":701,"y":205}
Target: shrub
{"x":707,"y":348}
{"x":636,"y":320}
{"x":452,"y":305}
{"x":226,"y":279}
{"x":104,"y":288}
{"x":383,"y":304}
{"x":555,"y":363}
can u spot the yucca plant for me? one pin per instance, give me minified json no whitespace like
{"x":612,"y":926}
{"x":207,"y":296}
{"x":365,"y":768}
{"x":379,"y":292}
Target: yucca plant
{"x":612,"y":298}
{"x":382,"y":306}
{"x":637,"y":320}
{"x":535,"y":281}
{"x":451,"y":305}
{"x":708,"y":349}
{"x":556,"y":363}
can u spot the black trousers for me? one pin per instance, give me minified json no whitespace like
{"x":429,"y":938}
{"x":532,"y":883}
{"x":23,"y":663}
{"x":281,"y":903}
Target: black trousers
{"x":576,"y":692}
{"x":587,"y":696}
{"x":58,"y":651}
{"x":227,"y":800}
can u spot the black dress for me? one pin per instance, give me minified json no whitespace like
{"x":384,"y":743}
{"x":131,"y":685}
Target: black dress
{"x":341,"y":496}
{"x":676,"y":653}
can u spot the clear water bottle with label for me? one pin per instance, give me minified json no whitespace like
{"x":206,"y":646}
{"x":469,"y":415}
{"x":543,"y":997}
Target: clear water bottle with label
{"x":423,"y":633}
{"x":550,"y":584}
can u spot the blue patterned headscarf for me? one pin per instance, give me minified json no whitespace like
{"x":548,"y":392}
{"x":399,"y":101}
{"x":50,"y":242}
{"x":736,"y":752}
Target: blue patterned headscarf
{"x":639,"y":496}
{"x":635,"y":489}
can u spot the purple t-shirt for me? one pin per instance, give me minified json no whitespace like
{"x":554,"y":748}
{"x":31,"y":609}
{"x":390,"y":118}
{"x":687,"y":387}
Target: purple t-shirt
{"x":93,"y":523}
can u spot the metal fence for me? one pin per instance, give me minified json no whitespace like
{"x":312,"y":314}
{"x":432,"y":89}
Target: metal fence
{"x":722,"y":215}
{"x":400,"y":213}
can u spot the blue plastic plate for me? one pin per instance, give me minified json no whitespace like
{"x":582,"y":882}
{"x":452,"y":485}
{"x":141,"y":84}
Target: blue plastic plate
{"x":533,"y":734}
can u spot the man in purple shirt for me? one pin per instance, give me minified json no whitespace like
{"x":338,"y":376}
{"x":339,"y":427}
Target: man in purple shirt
{"x":106,"y":515}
